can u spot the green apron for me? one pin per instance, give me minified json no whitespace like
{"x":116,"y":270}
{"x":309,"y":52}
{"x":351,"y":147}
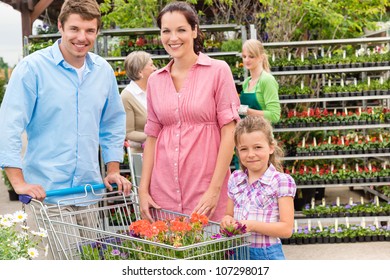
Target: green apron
{"x":249,"y":98}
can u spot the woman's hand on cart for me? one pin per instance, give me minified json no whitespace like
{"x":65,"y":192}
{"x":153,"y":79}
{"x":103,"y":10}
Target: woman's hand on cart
{"x":145,"y":203}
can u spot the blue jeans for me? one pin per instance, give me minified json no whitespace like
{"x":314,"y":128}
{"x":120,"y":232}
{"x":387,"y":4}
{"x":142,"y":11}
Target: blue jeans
{"x":273,"y":252}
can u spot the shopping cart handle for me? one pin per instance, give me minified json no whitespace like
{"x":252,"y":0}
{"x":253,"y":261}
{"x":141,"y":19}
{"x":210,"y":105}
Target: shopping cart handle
{"x":24,"y":198}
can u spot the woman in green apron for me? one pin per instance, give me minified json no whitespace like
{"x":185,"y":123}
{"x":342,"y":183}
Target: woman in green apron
{"x":259,"y":94}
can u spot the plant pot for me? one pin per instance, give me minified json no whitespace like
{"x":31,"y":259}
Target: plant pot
{"x":13,"y":196}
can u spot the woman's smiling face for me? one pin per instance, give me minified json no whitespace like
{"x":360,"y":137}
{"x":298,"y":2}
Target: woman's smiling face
{"x":177,"y":35}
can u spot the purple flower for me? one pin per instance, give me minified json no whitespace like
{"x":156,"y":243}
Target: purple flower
{"x":216,"y":236}
{"x":115,"y":252}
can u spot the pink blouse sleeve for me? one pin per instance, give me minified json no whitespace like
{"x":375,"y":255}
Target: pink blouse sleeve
{"x":152,"y":126}
{"x":226,"y":96}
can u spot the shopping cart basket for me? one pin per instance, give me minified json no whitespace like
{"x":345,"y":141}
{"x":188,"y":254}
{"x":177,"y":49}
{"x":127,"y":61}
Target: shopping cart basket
{"x":101,"y":231}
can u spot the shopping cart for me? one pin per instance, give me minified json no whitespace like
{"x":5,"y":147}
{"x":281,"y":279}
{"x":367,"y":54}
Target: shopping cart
{"x":135,"y":164}
{"x":101,"y":231}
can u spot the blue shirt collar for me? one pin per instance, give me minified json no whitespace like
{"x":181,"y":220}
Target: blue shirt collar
{"x":90,"y":59}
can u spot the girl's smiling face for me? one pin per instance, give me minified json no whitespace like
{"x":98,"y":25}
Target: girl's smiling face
{"x":254,"y":151}
{"x":177,"y":35}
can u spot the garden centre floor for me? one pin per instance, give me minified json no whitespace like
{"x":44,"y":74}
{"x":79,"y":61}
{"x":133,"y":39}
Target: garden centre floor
{"x":346,"y":251}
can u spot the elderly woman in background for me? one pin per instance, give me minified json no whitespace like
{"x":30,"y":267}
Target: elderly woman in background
{"x":138,"y":66}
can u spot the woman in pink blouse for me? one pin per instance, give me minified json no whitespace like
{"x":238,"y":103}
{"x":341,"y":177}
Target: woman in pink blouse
{"x":192,"y":112}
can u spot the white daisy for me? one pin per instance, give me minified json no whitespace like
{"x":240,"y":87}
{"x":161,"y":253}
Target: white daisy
{"x":32,"y":252}
{"x":20,"y":216}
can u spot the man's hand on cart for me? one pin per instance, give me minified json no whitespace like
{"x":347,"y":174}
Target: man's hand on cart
{"x":123,"y":184}
{"x":114,"y":177}
{"x":35,"y":191}
{"x":145,"y":203}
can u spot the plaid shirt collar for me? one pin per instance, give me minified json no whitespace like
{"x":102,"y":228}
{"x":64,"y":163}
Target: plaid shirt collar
{"x":264,"y":180}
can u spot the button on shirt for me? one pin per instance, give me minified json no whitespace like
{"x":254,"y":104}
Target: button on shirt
{"x":65,"y":120}
{"x":259,"y":201}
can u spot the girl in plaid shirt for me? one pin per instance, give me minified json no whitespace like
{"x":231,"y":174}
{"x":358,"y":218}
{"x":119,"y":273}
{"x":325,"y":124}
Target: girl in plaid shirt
{"x":261,"y":196}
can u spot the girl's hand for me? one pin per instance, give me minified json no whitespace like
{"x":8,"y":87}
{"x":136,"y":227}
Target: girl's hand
{"x":208,"y":202}
{"x":227,"y":221}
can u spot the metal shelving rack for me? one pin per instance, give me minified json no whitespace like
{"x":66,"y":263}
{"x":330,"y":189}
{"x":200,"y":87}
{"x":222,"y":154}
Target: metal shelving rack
{"x":319,"y":75}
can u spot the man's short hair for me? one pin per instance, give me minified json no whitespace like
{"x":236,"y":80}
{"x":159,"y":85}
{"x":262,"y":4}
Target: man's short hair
{"x":86,"y":9}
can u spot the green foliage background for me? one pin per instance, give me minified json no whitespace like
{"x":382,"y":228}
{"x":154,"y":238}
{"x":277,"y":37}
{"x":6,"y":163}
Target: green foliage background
{"x":281,"y":20}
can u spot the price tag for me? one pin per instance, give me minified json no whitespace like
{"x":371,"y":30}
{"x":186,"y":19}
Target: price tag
{"x":329,"y":83}
{"x":336,"y":224}
{"x":314,"y":142}
{"x":363,"y":222}
{"x":329,"y":140}
{"x":338,"y":201}
{"x":350,"y":201}
{"x":355,"y":81}
{"x":289,"y":57}
{"x":303,"y":142}
{"x":344,"y":54}
{"x":368,"y":81}
{"x":347,"y":222}
{"x":342,"y":82}
{"x":273,"y":57}
{"x":295,"y":226}
{"x":323,"y":201}
{"x":313,"y":202}
{"x":361,"y":200}
{"x":302,"y":57}
{"x":320,"y":225}
{"x":376,"y":222}
{"x":377,"y":200}
{"x":357,"y":167}
{"x":309,"y":224}
{"x":302,"y":84}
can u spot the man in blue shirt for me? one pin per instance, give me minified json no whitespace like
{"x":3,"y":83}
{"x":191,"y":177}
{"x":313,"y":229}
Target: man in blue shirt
{"x":67,"y":101}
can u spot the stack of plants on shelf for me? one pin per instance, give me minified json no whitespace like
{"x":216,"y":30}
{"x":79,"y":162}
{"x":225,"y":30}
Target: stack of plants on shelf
{"x":314,"y":117}
{"x":349,"y":172}
{"x":336,"y":58}
{"x":339,"y":228}
{"x":341,"y":233}
{"x":373,"y":141}
{"x":351,"y":209}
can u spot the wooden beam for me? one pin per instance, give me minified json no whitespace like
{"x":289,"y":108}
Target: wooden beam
{"x":26,"y":21}
{"x":39,"y":8}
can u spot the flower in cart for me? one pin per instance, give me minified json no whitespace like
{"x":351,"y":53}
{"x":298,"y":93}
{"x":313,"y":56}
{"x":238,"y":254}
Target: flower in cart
{"x":177,"y":232}
{"x":16,"y":241}
{"x":234,"y":229}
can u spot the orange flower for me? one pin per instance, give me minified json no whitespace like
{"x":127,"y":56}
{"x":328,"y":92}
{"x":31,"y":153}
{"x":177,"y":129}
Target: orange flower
{"x":195,"y":217}
{"x":161,"y":226}
{"x":178,"y":226}
{"x":139,"y":227}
